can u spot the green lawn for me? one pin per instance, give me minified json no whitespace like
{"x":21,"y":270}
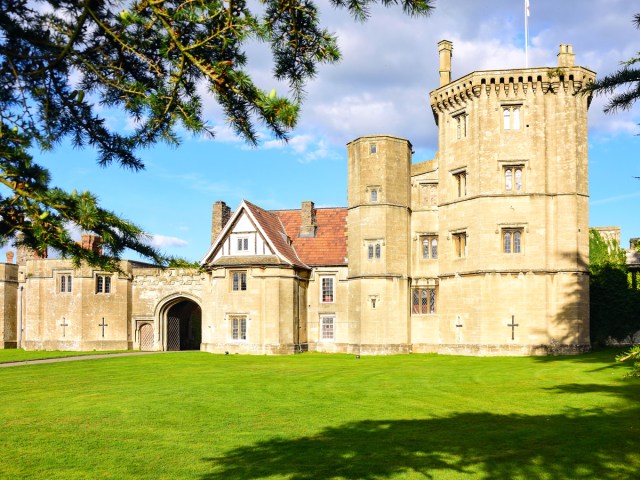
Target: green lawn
{"x":194,"y":415}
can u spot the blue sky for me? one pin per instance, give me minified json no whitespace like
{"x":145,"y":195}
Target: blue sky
{"x":390,"y":64}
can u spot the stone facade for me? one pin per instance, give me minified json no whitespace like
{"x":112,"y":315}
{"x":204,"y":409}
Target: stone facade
{"x":481,"y":251}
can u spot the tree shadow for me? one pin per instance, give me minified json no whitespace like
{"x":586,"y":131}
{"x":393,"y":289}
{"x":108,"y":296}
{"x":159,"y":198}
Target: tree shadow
{"x":574,"y":445}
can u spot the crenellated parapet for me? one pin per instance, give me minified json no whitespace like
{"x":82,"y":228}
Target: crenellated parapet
{"x":510,"y":84}
{"x":505,"y":85}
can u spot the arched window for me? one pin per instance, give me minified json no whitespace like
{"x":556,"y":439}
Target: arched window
{"x":516,"y":242}
{"x":434,"y":248}
{"x":516,"y":118}
{"x":507,"y":242}
{"x":506,"y":115}
{"x":508,"y":179}
{"x":377,"y":250}
{"x":518,"y":175}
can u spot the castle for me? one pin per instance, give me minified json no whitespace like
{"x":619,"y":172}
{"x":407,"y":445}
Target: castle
{"x":481,"y":251}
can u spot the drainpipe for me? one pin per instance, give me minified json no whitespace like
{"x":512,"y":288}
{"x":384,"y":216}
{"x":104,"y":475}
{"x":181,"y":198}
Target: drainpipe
{"x":20,"y":317}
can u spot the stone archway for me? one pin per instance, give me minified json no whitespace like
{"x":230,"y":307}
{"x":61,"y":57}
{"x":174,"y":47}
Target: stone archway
{"x":180,"y":324}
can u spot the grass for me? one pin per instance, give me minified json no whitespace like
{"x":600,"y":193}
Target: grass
{"x":194,"y":415}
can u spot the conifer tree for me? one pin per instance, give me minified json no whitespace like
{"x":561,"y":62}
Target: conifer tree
{"x":149,"y":60}
{"x":628,"y":76}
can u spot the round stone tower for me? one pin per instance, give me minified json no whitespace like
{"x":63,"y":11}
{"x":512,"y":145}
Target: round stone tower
{"x":379,"y":197}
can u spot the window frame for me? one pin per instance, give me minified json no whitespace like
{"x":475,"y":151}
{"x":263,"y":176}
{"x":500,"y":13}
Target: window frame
{"x":103,"y":284}
{"x":418,"y":297}
{"x":460,"y":244}
{"x":324,"y":321}
{"x":238,"y":327}
{"x":512,"y":240}
{"x":374,"y":249}
{"x":461,"y":124}
{"x":428,"y":241}
{"x":238,"y":280}
{"x":65,"y":283}
{"x":332,"y":283}
{"x":512,"y":116}
{"x":242,"y":244}
{"x":460,"y":180}
{"x":512,"y":170}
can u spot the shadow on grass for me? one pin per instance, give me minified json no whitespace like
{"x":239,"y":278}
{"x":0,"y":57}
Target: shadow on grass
{"x":575,"y":445}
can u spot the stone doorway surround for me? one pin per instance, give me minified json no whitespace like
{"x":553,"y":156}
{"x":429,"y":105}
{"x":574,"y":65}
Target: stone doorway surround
{"x":179,"y":322}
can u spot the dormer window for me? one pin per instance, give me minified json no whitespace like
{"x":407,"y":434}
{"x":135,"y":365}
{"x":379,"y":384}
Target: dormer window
{"x":243,"y":244}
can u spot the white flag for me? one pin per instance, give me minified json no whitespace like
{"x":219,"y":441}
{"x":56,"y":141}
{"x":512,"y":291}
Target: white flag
{"x":526,"y":7}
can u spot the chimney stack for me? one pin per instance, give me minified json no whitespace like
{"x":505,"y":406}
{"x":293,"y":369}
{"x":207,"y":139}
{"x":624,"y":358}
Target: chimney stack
{"x":10,"y":256}
{"x":566,"y":57}
{"x":445,"y":48}
{"x":92,"y":242}
{"x":308,"y":225}
{"x":220,"y":215}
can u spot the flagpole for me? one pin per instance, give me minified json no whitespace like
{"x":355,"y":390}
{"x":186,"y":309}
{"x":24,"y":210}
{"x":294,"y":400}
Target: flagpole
{"x":526,"y":33}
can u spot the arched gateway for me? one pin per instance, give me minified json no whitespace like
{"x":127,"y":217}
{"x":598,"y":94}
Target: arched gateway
{"x":180,"y":322}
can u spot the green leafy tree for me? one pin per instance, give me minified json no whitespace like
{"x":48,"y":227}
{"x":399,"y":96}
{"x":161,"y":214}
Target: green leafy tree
{"x":628,"y":76}
{"x":149,"y":60}
{"x":613,"y":304}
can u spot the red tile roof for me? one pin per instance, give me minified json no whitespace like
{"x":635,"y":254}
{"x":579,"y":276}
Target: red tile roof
{"x":329,"y":246}
{"x":275,"y":231}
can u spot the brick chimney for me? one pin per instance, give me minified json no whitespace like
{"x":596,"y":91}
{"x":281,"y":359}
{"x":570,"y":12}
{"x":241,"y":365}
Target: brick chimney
{"x":92,"y":242}
{"x":220,"y":215}
{"x":308,"y":225}
{"x":25,"y":253}
{"x":445,"y":49}
{"x":566,"y":57}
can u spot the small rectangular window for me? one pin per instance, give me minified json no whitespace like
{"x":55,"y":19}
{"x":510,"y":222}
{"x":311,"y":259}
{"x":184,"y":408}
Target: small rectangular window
{"x":243,"y":244}
{"x":374,"y":249}
{"x":512,"y":240}
{"x":460,"y":179}
{"x":239,"y":281}
{"x":327,"y":293}
{"x":513,"y":178}
{"x":373,"y":148}
{"x":460,"y":121}
{"x":103,"y":283}
{"x":64,"y":283}
{"x":511,"y":117}
{"x":430,"y":247}
{"x":327,"y":324}
{"x":238,"y":327}
{"x":460,"y":244}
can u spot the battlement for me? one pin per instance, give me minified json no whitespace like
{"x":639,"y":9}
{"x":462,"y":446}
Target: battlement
{"x":513,"y":84}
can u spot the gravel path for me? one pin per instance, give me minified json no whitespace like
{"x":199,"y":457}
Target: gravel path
{"x":73,"y":359}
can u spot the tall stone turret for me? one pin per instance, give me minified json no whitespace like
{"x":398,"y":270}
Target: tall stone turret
{"x":378,"y":248}
{"x":513,"y":212}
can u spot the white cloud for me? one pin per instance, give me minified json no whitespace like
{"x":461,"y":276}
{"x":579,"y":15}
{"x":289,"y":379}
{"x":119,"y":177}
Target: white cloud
{"x":163,"y":241}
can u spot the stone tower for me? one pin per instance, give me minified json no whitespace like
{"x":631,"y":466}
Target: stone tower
{"x":513,"y":206}
{"x":378,"y":222}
